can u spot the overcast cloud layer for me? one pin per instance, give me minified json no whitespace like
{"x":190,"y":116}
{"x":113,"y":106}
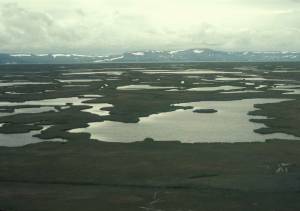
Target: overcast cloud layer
{"x":114,"y":26}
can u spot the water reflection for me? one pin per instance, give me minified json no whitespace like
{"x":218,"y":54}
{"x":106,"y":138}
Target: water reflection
{"x":141,"y":87}
{"x":22,"y":139}
{"x":216,"y":88}
{"x":230,"y":124}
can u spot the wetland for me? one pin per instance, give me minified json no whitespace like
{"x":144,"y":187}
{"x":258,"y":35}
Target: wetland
{"x":120,"y":136}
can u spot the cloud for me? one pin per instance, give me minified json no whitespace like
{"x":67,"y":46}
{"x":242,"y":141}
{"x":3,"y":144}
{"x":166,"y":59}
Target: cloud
{"x":24,"y":29}
{"x":113,"y":26}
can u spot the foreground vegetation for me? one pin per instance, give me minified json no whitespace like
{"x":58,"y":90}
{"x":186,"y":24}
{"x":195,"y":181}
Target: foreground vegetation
{"x":158,"y":175}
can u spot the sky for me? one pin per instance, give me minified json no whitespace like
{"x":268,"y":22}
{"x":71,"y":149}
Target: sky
{"x":99,"y":27}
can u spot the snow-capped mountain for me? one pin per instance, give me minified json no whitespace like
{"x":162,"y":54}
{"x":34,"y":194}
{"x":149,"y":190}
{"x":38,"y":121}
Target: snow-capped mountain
{"x":202,"y":55}
{"x":190,"y":55}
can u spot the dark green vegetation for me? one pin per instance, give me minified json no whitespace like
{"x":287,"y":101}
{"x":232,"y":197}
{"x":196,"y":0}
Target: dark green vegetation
{"x":111,"y":176}
{"x":285,"y":114}
{"x":205,"y":111}
{"x":83,"y":174}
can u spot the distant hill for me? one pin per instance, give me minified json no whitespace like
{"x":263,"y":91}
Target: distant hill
{"x":190,"y":55}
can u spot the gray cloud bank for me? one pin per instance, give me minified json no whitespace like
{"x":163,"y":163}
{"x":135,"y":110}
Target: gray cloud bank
{"x":113,"y":26}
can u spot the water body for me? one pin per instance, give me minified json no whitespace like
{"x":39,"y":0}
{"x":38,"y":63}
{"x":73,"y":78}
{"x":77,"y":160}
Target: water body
{"x":21,"y":83}
{"x":22,"y":139}
{"x":216,"y":88}
{"x":62,"y":102}
{"x":248,"y":79}
{"x":78,"y":80}
{"x":246,"y":68}
{"x":29,"y":111}
{"x":95,"y":73}
{"x":230,"y":124}
{"x":16,"y":140}
{"x":294,"y":92}
{"x":242,"y":91}
{"x":289,"y":89}
{"x":15,"y":93}
{"x":191,"y":71}
{"x":51,"y":103}
{"x":261,"y":86}
{"x":78,"y":85}
{"x":240,"y":79}
{"x":141,"y":87}
{"x":57,"y":101}
{"x":96,"y":109}
{"x":286,"y":71}
{"x":92,"y":96}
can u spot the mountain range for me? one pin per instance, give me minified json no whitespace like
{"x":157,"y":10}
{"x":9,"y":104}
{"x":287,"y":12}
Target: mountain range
{"x":189,"y":55}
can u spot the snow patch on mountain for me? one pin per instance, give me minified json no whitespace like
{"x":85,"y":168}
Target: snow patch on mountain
{"x":109,"y":59}
{"x":82,"y":55}
{"x":61,"y":55}
{"x":175,"y":52}
{"x":198,"y":51}
{"x":138,"y":53}
{"x":20,"y":55}
{"x":194,"y":55}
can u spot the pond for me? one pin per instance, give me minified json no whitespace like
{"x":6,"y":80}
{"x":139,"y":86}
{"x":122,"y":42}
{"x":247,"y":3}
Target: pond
{"x":216,"y":88}
{"x":141,"y":87}
{"x":22,"y":139}
{"x":229,"y":124}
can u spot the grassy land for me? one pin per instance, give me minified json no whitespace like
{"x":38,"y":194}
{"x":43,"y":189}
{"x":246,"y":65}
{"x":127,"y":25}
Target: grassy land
{"x":97,"y":176}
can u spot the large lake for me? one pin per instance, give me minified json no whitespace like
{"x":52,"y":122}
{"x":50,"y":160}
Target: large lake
{"x":230,"y":124}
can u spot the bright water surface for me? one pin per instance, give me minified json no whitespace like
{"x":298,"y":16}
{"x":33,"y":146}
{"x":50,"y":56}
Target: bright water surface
{"x":230,"y":124}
